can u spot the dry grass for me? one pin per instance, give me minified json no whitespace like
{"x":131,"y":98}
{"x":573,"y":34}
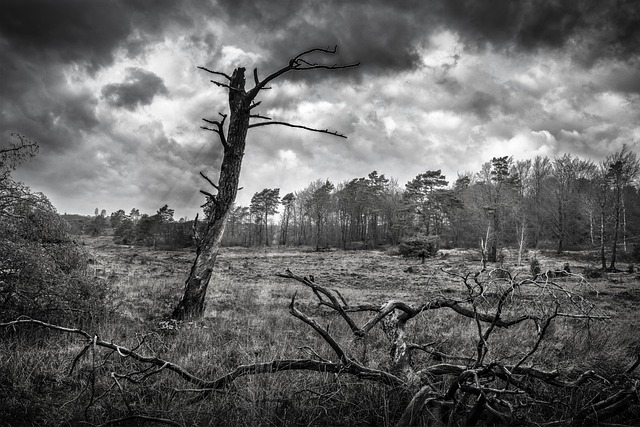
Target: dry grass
{"x":247,"y":321}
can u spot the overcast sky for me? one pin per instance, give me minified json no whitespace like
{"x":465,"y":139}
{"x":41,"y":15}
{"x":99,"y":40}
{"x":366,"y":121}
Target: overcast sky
{"x":112,"y":93}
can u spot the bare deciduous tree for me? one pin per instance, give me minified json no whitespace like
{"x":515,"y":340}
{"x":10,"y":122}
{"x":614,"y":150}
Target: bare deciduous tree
{"x":622,"y":168}
{"x":242,"y":104}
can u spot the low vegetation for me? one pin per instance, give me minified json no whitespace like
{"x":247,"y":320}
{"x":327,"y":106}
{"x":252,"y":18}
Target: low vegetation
{"x":341,"y":338}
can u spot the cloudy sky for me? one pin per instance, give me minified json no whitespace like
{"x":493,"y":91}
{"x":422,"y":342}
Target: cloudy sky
{"x":111,"y":90}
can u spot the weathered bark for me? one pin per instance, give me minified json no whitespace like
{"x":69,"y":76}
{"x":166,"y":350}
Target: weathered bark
{"x":192,"y":304}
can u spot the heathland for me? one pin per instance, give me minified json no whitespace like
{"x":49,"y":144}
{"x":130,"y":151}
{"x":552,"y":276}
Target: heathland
{"x":573,"y":360}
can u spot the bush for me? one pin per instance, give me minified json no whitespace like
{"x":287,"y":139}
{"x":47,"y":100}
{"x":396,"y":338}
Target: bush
{"x":42,"y":270}
{"x":534,"y":267}
{"x":419,"y":245}
{"x":592,"y":272}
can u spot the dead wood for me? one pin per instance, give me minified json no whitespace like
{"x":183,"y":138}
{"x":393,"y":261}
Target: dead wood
{"x":478,"y":389}
{"x":494,"y":384}
{"x":242,"y":102}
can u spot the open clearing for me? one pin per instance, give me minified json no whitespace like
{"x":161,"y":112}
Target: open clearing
{"x":247,"y":321}
{"x":151,"y":282}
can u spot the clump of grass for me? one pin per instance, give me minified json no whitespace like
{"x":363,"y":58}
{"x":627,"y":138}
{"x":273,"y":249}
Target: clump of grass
{"x":591,"y":272}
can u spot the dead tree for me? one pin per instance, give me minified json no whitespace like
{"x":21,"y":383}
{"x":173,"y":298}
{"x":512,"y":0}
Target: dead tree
{"x":477,"y":389}
{"x":242,"y":104}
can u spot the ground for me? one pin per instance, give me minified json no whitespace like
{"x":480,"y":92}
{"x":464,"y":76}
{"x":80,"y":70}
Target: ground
{"x":150,"y":281}
{"x":247,"y":321}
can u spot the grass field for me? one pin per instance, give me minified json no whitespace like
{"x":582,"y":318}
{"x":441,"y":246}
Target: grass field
{"x":247,"y":321}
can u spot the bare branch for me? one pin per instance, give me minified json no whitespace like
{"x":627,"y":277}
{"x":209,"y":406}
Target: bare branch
{"x":334,"y":304}
{"x":484,"y":338}
{"x":319,"y":329}
{"x":219,"y":129}
{"x":297,"y":365}
{"x":390,"y":306}
{"x":122,"y":351}
{"x":209,"y":180}
{"x":253,"y":125}
{"x":258,"y":116}
{"x":206,"y":193}
{"x":298,"y":63}
{"x":29,"y":321}
{"x":224,"y":85}
{"x":216,"y":72}
{"x":438,"y":354}
{"x":539,"y":340}
{"x":78,"y":356}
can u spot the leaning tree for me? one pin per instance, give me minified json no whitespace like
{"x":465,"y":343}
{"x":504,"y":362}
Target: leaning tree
{"x":242,"y":117}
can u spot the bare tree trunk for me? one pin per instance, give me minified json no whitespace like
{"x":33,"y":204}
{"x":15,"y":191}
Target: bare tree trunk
{"x":521,"y":243}
{"x":560,"y":226}
{"x":192,"y":304}
{"x":493,"y":251}
{"x":483,"y":247}
{"x":624,"y":227}
{"x":266,"y":226}
{"x":616,"y":227}
{"x":591,"y":226}
{"x":602,"y":257}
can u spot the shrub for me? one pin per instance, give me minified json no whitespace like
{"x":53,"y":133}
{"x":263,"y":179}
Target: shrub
{"x":42,"y":270}
{"x":591,"y":272}
{"x":534,"y":267}
{"x":419,"y":245}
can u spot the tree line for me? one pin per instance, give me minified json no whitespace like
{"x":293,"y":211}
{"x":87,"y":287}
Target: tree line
{"x":159,"y":230}
{"x":561,"y":203}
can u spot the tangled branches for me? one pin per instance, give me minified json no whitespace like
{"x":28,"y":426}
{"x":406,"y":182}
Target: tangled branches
{"x":485,"y":390}
{"x":501,"y":375}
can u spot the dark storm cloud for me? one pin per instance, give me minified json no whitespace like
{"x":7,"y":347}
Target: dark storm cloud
{"x":595,"y":30}
{"x":86,"y":32}
{"x":529,"y":25}
{"x":624,"y":79}
{"x":139,"y":88}
{"x":64,"y":30}
{"x":384,"y":35}
{"x":40,"y":39}
{"x":480,"y":104}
